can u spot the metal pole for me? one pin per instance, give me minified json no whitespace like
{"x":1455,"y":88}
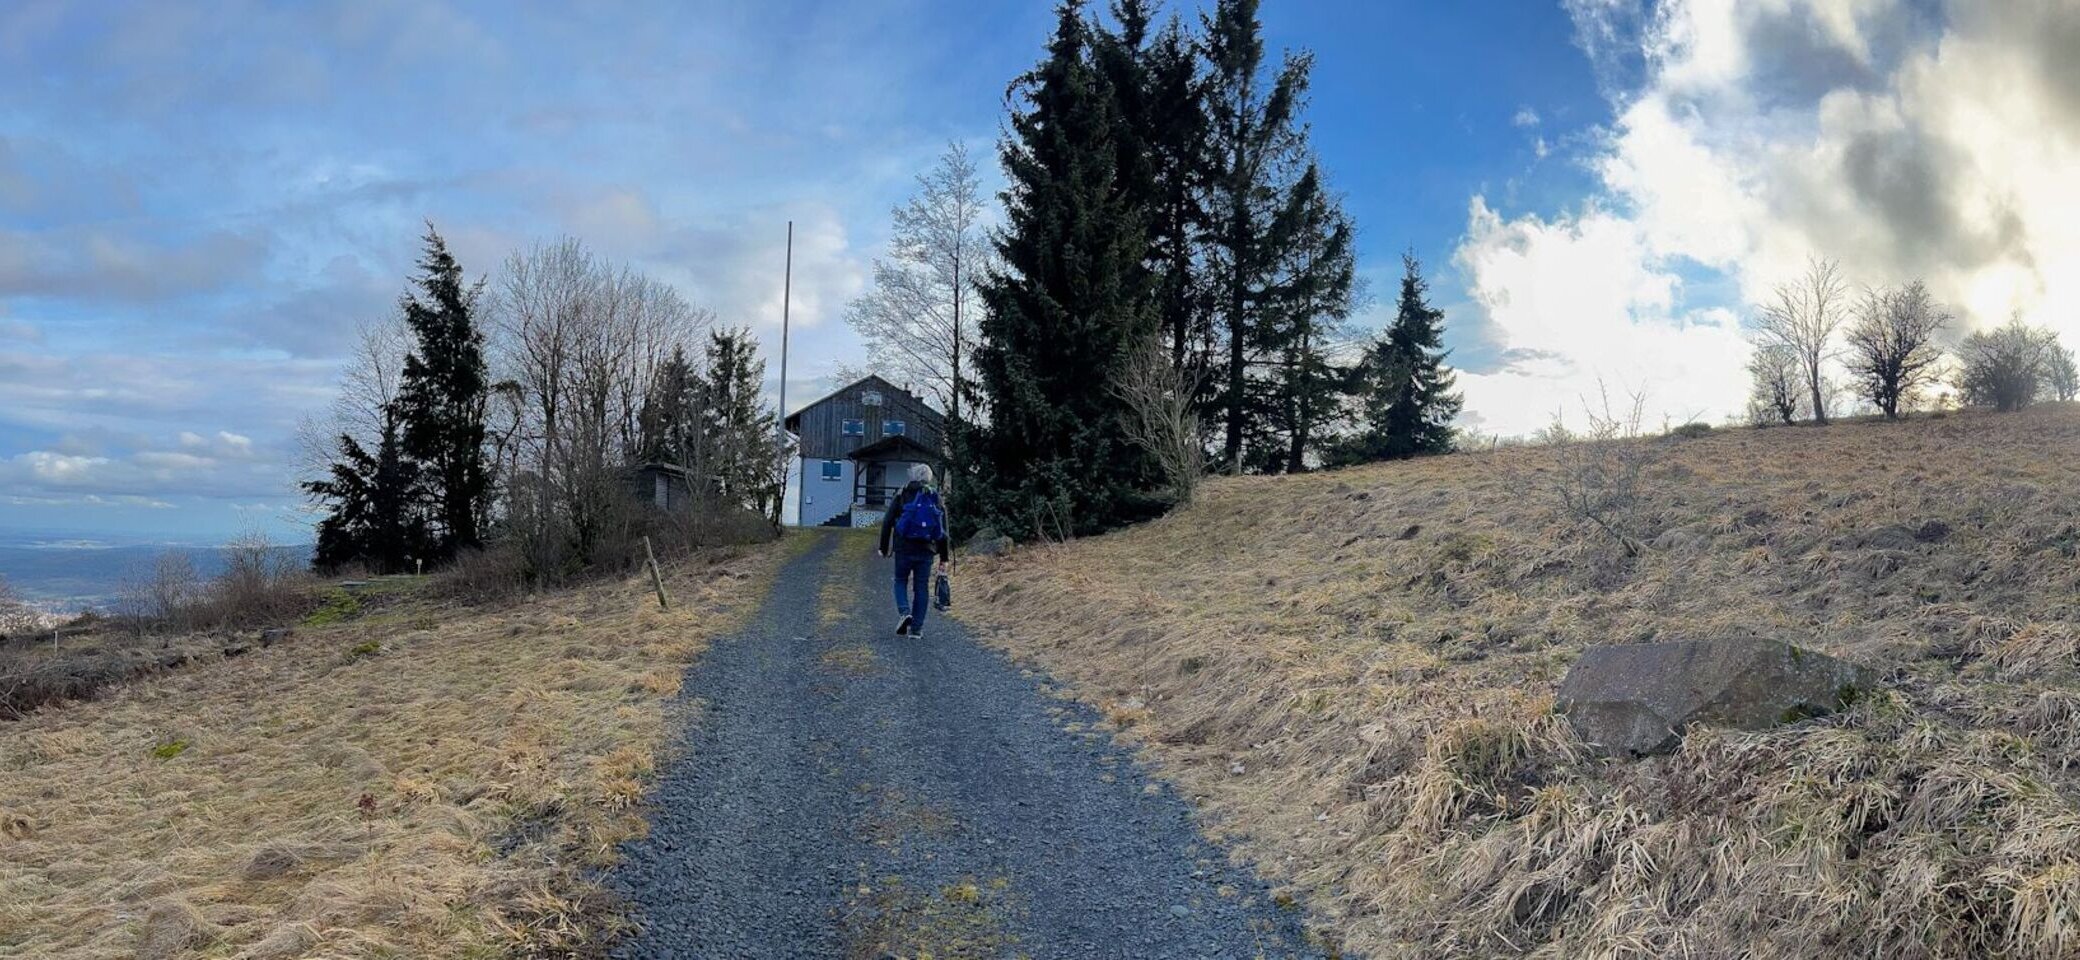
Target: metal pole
{"x":780,"y":422}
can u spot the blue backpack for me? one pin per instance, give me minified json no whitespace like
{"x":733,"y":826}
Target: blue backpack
{"x":923,"y":518}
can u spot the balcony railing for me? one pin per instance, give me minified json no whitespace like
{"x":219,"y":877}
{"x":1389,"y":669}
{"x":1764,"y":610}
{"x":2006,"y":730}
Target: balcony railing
{"x":865,"y":495}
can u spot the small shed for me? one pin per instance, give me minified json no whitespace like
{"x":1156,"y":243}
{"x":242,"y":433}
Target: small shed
{"x":661,"y":486}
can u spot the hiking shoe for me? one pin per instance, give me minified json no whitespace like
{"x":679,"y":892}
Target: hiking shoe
{"x":903,"y":627}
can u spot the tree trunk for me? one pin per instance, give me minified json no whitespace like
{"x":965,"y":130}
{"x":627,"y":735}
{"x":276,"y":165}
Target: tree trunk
{"x":1819,"y":405}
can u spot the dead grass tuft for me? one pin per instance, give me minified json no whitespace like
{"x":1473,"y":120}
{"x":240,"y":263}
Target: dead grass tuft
{"x":1377,"y":648}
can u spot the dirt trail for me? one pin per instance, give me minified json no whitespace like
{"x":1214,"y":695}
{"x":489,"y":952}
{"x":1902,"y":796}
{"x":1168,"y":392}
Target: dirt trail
{"x":847,"y":793}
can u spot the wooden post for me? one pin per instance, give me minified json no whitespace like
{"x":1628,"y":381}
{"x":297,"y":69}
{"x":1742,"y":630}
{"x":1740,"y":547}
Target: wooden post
{"x":656,"y":576}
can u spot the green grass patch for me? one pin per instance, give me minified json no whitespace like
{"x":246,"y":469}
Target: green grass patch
{"x":170,"y":749}
{"x":338,"y":606}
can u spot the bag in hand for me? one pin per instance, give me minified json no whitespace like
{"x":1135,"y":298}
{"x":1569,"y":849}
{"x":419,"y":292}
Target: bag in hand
{"x":942,"y":591}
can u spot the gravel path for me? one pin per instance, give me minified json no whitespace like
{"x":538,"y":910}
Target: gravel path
{"x":847,"y":793}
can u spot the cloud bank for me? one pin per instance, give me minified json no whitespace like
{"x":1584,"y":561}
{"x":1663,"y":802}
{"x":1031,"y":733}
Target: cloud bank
{"x":1905,"y":139}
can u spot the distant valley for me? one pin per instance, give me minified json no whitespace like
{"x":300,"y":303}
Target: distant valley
{"x":67,"y":572}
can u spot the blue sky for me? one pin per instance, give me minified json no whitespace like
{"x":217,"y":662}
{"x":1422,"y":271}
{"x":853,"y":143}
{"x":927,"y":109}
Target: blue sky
{"x":199,"y":203}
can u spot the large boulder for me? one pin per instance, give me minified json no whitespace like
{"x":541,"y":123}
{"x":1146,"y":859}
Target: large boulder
{"x":989,"y":543}
{"x":1636,"y":699}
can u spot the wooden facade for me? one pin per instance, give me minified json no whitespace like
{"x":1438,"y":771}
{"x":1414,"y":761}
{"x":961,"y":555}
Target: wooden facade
{"x":856,"y":447}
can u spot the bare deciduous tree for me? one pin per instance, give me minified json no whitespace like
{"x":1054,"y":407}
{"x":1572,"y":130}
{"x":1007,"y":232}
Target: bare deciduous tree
{"x":1891,"y":350}
{"x":1803,"y":318}
{"x":918,"y":319}
{"x":161,"y":595}
{"x":580,"y":344}
{"x":367,"y":389}
{"x":1162,"y":418}
{"x":1777,"y":384}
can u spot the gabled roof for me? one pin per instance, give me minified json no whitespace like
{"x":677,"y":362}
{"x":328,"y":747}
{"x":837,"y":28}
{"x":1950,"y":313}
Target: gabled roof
{"x":886,"y":448}
{"x":794,"y":420}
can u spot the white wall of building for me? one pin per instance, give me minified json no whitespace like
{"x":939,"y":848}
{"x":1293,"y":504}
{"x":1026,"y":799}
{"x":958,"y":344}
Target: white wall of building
{"x":823,"y":499}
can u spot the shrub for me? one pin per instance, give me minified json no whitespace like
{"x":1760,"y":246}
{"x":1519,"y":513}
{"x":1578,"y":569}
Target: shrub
{"x":1598,"y":480}
{"x":494,"y":573}
{"x":1691,"y":430}
{"x":2004,"y":368}
{"x":163,"y":595}
{"x":259,"y":585}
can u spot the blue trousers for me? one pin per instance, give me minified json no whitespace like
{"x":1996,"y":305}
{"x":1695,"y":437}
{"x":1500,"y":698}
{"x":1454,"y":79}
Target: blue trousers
{"x":914,"y":585}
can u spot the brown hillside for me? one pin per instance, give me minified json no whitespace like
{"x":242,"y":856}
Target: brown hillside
{"x":1354,"y":671}
{"x":429,"y":781}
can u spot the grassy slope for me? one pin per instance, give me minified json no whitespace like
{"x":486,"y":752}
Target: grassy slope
{"x":217,"y":811}
{"x":1354,"y":671}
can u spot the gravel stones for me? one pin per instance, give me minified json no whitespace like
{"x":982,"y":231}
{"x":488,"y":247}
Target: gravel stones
{"x":934,"y":804}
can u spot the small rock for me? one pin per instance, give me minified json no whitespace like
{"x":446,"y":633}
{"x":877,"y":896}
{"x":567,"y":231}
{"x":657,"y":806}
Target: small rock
{"x":273,"y":636}
{"x":1236,"y":768}
{"x":1180,"y":910}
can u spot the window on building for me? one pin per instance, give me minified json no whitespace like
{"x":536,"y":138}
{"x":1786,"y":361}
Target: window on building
{"x":893,"y":428}
{"x":834,"y":469}
{"x":855,"y":428}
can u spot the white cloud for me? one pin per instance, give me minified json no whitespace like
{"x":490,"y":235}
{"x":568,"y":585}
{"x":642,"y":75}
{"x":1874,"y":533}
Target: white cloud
{"x":1750,"y":134}
{"x":1581,"y":307}
{"x":221,"y":466}
{"x":1526,"y":117}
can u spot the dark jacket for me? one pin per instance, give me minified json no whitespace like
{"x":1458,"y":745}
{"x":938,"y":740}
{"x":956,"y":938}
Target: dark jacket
{"x":908,"y":544}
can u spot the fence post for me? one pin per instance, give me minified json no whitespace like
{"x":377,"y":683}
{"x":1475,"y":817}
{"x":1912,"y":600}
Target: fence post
{"x":656,"y":576}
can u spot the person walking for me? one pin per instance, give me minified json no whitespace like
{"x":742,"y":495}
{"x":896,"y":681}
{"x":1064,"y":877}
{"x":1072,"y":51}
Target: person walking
{"x":914,"y":532}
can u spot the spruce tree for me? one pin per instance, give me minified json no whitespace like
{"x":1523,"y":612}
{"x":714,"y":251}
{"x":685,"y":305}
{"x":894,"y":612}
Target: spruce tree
{"x":1067,"y":303}
{"x":736,"y":426}
{"x":1256,"y":155}
{"x":374,"y":516}
{"x":1406,"y":388}
{"x":1160,"y":143}
{"x":666,"y":422}
{"x":442,"y":396}
{"x":1317,"y":288}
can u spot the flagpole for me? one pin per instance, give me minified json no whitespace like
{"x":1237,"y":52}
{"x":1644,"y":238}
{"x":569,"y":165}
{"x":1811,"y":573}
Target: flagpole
{"x":780,"y":423}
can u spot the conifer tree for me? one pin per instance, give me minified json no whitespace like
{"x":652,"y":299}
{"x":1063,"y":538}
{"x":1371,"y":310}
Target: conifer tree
{"x":443,"y":394}
{"x":1064,"y":308}
{"x":667,"y":421}
{"x":735,"y":425}
{"x":1257,"y":224}
{"x":1159,"y":98}
{"x":374,"y":517}
{"x":1318,"y":287}
{"x":1405,"y":387}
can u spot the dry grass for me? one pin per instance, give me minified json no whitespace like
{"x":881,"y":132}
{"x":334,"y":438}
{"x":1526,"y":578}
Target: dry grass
{"x":1375,"y":652}
{"x":429,"y":781}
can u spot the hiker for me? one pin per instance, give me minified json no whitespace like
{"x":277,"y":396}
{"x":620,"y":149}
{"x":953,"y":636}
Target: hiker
{"x":914,"y":530}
